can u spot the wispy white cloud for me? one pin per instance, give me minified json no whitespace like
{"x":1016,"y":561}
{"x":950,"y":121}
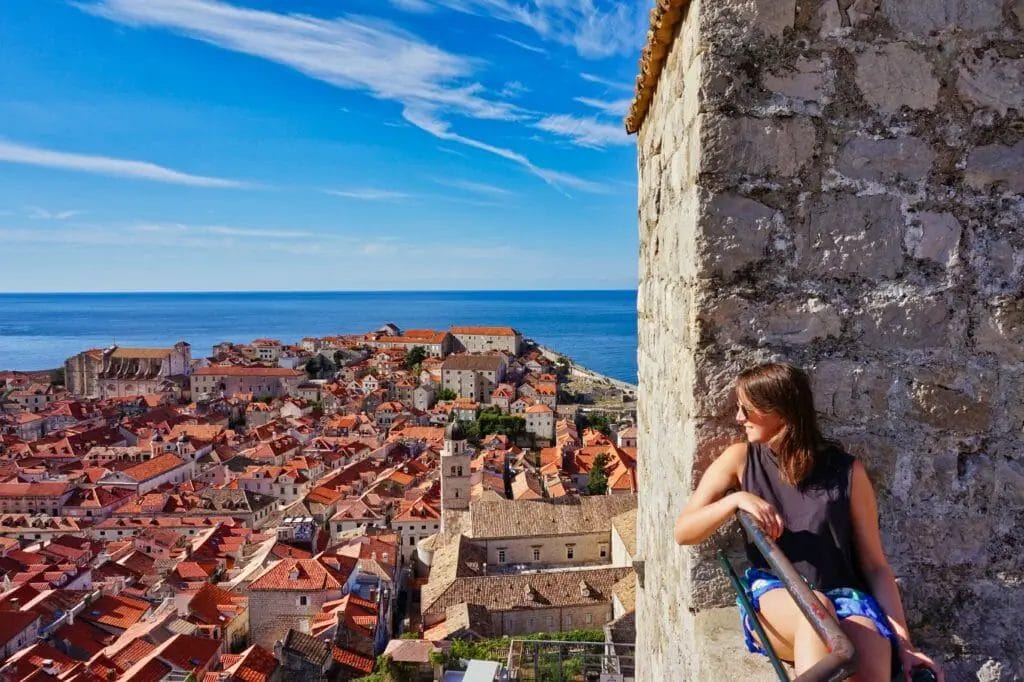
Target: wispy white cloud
{"x":585,"y":131}
{"x":518,"y":43}
{"x":416,"y":6}
{"x":475,"y":187}
{"x":106,"y":165}
{"x":222,"y":230}
{"x":39,"y":213}
{"x":425,"y":120}
{"x":594,"y":28}
{"x":513,"y":89}
{"x":591,"y":78}
{"x":369,"y":194}
{"x":348,"y":52}
{"x":619,"y":107}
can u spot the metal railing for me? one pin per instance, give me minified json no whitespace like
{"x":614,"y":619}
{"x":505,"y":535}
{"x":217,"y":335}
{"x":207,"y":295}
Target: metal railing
{"x":840,"y":662}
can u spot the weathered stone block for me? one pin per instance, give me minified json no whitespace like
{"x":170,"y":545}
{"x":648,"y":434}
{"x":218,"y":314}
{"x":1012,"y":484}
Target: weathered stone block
{"x":992,"y":81}
{"x":734,"y":233}
{"x":1001,"y":329}
{"x":851,"y":391}
{"x":734,"y":320}
{"x":924,"y":17}
{"x":830,"y":17}
{"x":754,"y":146}
{"x":866,"y":158}
{"x":895,"y":75}
{"x":948,"y":408}
{"x":996,"y":165}
{"x":845,"y":234}
{"x":909,"y":322}
{"x":934,"y":236}
{"x":808,"y":79}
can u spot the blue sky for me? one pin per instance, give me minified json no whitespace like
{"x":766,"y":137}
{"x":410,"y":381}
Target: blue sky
{"x":324,"y":145}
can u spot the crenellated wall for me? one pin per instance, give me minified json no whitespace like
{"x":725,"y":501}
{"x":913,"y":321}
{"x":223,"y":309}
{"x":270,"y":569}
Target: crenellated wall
{"x":840,"y":188}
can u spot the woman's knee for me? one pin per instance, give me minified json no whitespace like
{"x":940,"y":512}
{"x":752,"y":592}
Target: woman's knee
{"x":826,"y":603}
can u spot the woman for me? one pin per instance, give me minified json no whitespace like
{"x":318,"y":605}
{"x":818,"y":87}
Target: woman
{"x":817,"y":502}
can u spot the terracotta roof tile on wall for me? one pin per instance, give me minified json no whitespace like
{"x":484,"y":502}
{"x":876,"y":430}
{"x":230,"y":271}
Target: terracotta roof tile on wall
{"x":664,"y":18}
{"x":518,"y":518}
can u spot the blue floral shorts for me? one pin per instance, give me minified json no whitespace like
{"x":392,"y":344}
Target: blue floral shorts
{"x":848,"y":602}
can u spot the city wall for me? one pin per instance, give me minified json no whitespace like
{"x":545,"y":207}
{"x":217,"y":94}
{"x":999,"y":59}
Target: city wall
{"x":839,"y":184}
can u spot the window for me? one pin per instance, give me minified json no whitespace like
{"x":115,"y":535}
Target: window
{"x":570,"y":551}
{"x":423,"y":528}
{"x":453,"y":471}
{"x":590,"y":619}
{"x":303,"y":600}
{"x":501,"y":556}
{"x":604,"y":551}
{"x":536,"y":553}
{"x":456,"y":492}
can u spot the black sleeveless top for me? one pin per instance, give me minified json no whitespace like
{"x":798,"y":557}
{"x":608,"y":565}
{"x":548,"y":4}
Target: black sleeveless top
{"x":818,"y":534}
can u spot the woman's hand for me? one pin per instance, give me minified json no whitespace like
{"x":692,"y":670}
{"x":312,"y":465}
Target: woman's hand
{"x":911,"y":658}
{"x":765,"y":514}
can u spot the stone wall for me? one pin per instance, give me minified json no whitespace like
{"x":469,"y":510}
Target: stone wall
{"x":842,"y":189}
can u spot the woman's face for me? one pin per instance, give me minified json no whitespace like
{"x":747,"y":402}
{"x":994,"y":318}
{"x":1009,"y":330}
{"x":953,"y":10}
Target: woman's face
{"x":760,"y":427}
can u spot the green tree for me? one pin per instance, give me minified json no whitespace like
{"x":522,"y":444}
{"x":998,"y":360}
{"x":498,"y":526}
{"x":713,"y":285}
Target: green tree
{"x":415,"y":356}
{"x":598,"y":483}
{"x":446,"y":394}
{"x":57,"y":378}
{"x":339,"y":358}
{"x":599,"y":422}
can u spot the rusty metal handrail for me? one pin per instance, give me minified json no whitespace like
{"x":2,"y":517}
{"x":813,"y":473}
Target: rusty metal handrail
{"x":840,"y":662}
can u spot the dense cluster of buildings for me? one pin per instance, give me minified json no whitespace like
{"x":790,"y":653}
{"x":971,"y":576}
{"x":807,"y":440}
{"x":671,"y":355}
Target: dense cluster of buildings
{"x":271,"y":511}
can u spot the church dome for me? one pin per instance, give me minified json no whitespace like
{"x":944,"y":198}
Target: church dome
{"x":454,"y":431}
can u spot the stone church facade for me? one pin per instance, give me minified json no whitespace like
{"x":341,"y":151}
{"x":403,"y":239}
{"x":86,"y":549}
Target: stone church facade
{"x":838,"y":184}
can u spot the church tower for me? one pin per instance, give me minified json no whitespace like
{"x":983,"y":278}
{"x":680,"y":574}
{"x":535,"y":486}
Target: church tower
{"x":454,"y":470}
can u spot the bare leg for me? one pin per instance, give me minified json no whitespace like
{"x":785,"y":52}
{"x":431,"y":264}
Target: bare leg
{"x":874,"y":652}
{"x":790,"y":633}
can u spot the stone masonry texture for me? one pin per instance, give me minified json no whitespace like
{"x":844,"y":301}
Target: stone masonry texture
{"x":839,"y":184}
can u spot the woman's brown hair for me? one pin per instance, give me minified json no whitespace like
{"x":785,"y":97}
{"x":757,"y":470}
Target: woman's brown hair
{"x":785,"y":390}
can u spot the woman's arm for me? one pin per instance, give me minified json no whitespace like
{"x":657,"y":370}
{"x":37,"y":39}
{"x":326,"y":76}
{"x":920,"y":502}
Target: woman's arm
{"x":875,"y":567}
{"x":709,"y":506}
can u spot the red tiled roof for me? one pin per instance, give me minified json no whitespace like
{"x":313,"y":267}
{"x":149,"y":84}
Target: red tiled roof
{"x":154,"y":467}
{"x":231,"y":371}
{"x":352,"y":660}
{"x":116,"y":611}
{"x":298,"y":574}
{"x":182,"y":651}
{"x":484,"y":331}
{"x":13,"y":623}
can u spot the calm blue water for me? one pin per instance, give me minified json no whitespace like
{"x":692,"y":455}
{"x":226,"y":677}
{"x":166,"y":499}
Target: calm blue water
{"x":595,"y":328}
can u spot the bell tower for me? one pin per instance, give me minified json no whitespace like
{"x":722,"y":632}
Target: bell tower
{"x":454,"y":471}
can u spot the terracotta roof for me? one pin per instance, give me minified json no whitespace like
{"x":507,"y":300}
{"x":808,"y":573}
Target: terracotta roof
{"x":141,"y":353}
{"x":116,"y":611}
{"x":480,"y":363}
{"x":664,"y":18}
{"x":585,"y":587}
{"x":231,"y":371}
{"x":13,"y":623}
{"x":519,"y":518}
{"x":352,"y":660}
{"x":484,"y":331}
{"x":299,"y":575}
{"x":36,"y":489}
{"x":255,"y":664}
{"x":132,"y":654}
{"x":187,"y":652}
{"x":154,"y":467}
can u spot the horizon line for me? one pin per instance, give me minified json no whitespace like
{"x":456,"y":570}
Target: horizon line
{"x":300,"y":291}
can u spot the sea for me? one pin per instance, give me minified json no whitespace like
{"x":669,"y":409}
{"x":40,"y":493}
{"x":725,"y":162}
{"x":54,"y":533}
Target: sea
{"x":597,"y":329}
